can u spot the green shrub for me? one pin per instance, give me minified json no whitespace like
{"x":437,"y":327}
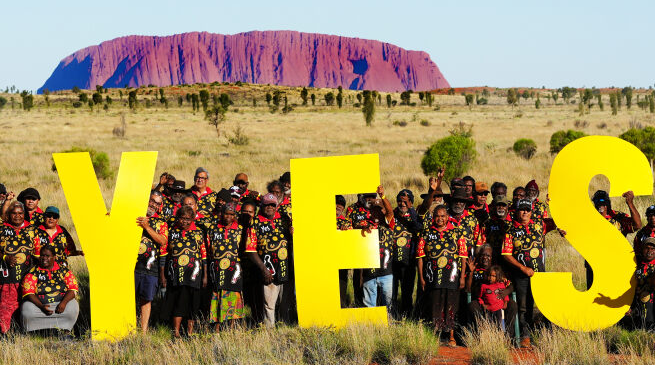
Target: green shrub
{"x":560,"y":139}
{"x":644,"y":139}
{"x":425,"y":123}
{"x":3,"y":102}
{"x":239,"y":137}
{"x":525,"y":148}
{"x":99,"y":160}
{"x":455,"y":153}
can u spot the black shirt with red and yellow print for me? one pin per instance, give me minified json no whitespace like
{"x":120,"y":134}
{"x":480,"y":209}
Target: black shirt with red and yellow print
{"x":621,"y":221}
{"x":358,"y":215}
{"x":271,"y":239}
{"x":526,"y":243}
{"x":185,"y":255}
{"x":442,"y":252}
{"x":224,"y":248}
{"x":285,"y":207}
{"x":470,"y":229}
{"x":50,"y":286}
{"x":645,"y":294}
{"x":61,"y":242}
{"x":206,"y":201}
{"x":22,"y":242}
{"x":147,"y":261}
{"x":169,"y":208}
{"x":387,"y":242}
{"x":36,"y":217}
{"x":638,"y":242}
{"x":405,"y":234}
{"x":343,"y":223}
{"x":492,"y":232}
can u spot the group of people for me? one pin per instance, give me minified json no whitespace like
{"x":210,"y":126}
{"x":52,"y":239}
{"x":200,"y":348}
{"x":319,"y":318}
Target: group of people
{"x":449,"y":260}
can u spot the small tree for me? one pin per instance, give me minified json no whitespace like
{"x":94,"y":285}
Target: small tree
{"x":555,"y":96}
{"x":313,"y":97}
{"x":97,"y":98}
{"x":368,"y":108}
{"x":627,"y":91}
{"x":216,"y":115}
{"x":455,"y":153}
{"x":644,"y":139}
{"x":204,"y":99}
{"x":421,"y":95}
{"x":3,"y":102}
{"x":180,"y":100}
{"x":329,"y":98}
{"x":46,"y":95}
{"x":651,"y":104}
{"x":560,"y":139}
{"x":388,"y":100}
{"x":613,"y":104}
{"x":131,"y":99}
{"x":269,"y":97}
{"x":83,"y":97}
{"x":406,"y":97}
{"x":303,"y":95}
{"x":525,"y":148}
{"x":339,"y":99}
{"x":469,"y":100}
{"x":75,"y":90}
{"x":28,"y":100}
{"x":512,"y":97}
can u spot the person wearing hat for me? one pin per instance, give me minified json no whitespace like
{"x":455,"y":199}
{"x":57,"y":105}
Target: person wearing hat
{"x":406,"y":230}
{"x":642,"y":307}
{"x":646,"y":231}
{"x":241,"y":180}
{"x":462,"y":218}
{"x":19,"y":247}
{"x":493,"y":230}
{"x":206,"y":196}
{"x":30,"y":198}
{"x":479,"y":208}
{"x":624,"y":223}
{"x":52,"y":234}
{"x":149,"y":269}
{"x":523,"y":250}
{"x":343,"y":224}
{"x":440,"y":254}
{"x":173,"y":202}
{"x":268,"y":246}
{"x":539,"y":208}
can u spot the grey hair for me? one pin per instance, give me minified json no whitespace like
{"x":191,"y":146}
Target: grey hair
{"x":13,"y":206}
{"x":201,"y":169}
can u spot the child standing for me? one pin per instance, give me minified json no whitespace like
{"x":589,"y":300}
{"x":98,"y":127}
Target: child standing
{"x":491,"y":298}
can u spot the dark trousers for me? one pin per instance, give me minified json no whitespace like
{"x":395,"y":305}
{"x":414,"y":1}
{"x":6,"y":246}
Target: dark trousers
{"x":477,"y":312}
{"x":404,"y":277}
{"x":253,"y":296}
{"x":443,"y":305}
{"x":358,"y":289}
{"x":343,"y":288}
{"x":525,"y":303}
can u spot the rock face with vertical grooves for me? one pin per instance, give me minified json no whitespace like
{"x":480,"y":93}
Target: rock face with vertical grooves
{"x":272,"y":57}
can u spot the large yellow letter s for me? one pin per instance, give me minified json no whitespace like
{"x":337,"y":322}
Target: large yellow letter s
{"x":606,"y":250}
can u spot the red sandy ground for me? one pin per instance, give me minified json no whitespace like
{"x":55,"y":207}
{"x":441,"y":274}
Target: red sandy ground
{"x":462,"y":356}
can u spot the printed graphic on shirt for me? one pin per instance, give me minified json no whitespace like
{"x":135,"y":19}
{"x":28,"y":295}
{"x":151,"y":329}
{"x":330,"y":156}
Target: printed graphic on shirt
{"x":24,"y":244}
{"x":526,"y":244}
{"x":270,"y":238}
{"x":149,"y":251}
{"x":441,"y":252}
{"x":224,"y":262}
{"x":186,"y":253}
{"x":50,"y":286}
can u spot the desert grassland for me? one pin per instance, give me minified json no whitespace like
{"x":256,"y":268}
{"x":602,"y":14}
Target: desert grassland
{"x":185,"y":140}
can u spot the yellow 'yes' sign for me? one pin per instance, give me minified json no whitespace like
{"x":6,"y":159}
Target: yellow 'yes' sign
{"x":604,"y":247}
{"x":111,"y":242}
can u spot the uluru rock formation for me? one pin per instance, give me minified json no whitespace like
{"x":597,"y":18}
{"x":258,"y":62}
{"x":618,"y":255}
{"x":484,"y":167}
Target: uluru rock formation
{"x":271,"y":57}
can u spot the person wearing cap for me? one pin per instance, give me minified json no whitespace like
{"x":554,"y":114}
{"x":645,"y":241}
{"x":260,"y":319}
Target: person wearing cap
{"x":462,"y":218}
{"x":523,"y":250}
{"x":206,"y":196}
{"x":19,"y":246}
{"x":268,"y":245}
{"x":241,"y":180}
{"x":469,"y":185}
{"x":406,"y":230}
{"x":52,"y":234}
{"x":380,"y":279}
{"x":225,"y":270}
{"x":479,"y":208}
{"x":539,"y":208}
{"x":185,"y":271}
{"x":48,"y":293}
{"x":173,"y":202}
{"x":440,"y":251}
{"x":646,"y":231}
{"x":642,"y":307}
{"x":149,"y":268}
{"x":493,"y":230}
{"x":235,"y":195}
{"x":343,"y":224}
{"x":624,"y":223}
{"x":498,"y":188}
{"x":30,"y":198}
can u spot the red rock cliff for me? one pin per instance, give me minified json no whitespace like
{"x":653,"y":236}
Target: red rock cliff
{"x":271,"y":57}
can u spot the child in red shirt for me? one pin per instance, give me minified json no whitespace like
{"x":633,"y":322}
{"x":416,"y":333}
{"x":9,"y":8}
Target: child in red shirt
{"x":490,"y":292}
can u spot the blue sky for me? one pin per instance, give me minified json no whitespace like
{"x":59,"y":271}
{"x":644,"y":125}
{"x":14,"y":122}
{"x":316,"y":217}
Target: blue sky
{"x":474,"y":43}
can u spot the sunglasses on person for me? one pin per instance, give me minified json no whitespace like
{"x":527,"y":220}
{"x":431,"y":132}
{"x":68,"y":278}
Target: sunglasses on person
{"x":51,"y":215}
{"x":270,"y":205}
{"x":484,"y":193}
